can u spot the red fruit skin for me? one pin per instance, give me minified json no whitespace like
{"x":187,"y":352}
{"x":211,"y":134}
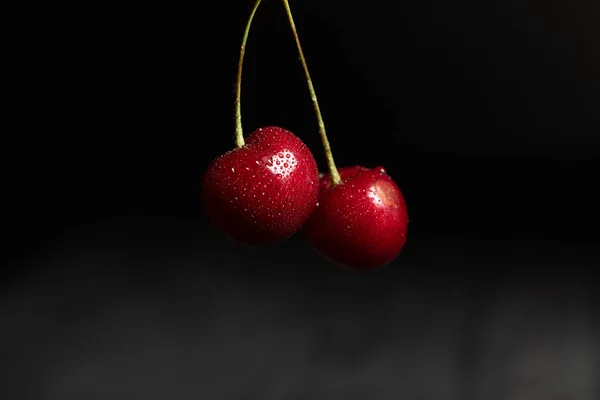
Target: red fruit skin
{"x":360,"y":223}
{"x":263,"y":192}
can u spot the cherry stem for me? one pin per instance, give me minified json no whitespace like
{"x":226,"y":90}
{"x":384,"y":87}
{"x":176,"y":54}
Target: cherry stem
{"x":239,"y":133}
{"x":333,"y":172}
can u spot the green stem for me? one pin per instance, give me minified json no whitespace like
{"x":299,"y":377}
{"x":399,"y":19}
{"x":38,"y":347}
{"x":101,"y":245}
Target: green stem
{"x":333,"y":172}
{"x":239,"y":133}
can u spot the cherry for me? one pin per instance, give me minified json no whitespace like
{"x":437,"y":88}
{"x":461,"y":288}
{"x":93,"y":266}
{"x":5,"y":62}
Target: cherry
{"x":361,"y":219}
{"x":263,"y":191}
{"x":361,"y":222}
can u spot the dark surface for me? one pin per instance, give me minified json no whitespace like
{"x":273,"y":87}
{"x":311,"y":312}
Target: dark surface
{"x":114,"y":286}
{"x":157,"y":309}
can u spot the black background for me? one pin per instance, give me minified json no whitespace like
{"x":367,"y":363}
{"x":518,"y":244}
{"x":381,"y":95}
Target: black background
{"x":485,"y":113}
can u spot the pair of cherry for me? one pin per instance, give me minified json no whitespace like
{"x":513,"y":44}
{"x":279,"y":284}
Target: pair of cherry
{"x":269,"y":188}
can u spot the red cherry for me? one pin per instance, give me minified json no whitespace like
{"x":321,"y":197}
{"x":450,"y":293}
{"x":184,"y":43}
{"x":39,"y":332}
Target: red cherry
{"x":361,"y":222}
{"x":263,"y":192}
{"x":361,"y":219}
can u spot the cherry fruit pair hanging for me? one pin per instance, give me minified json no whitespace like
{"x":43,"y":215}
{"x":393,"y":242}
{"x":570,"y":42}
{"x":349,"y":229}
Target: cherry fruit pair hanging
{"x":269,"y":187}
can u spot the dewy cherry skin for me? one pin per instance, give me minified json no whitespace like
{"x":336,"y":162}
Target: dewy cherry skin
{"x":263,"y":191}
{"x":361,"y":220}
